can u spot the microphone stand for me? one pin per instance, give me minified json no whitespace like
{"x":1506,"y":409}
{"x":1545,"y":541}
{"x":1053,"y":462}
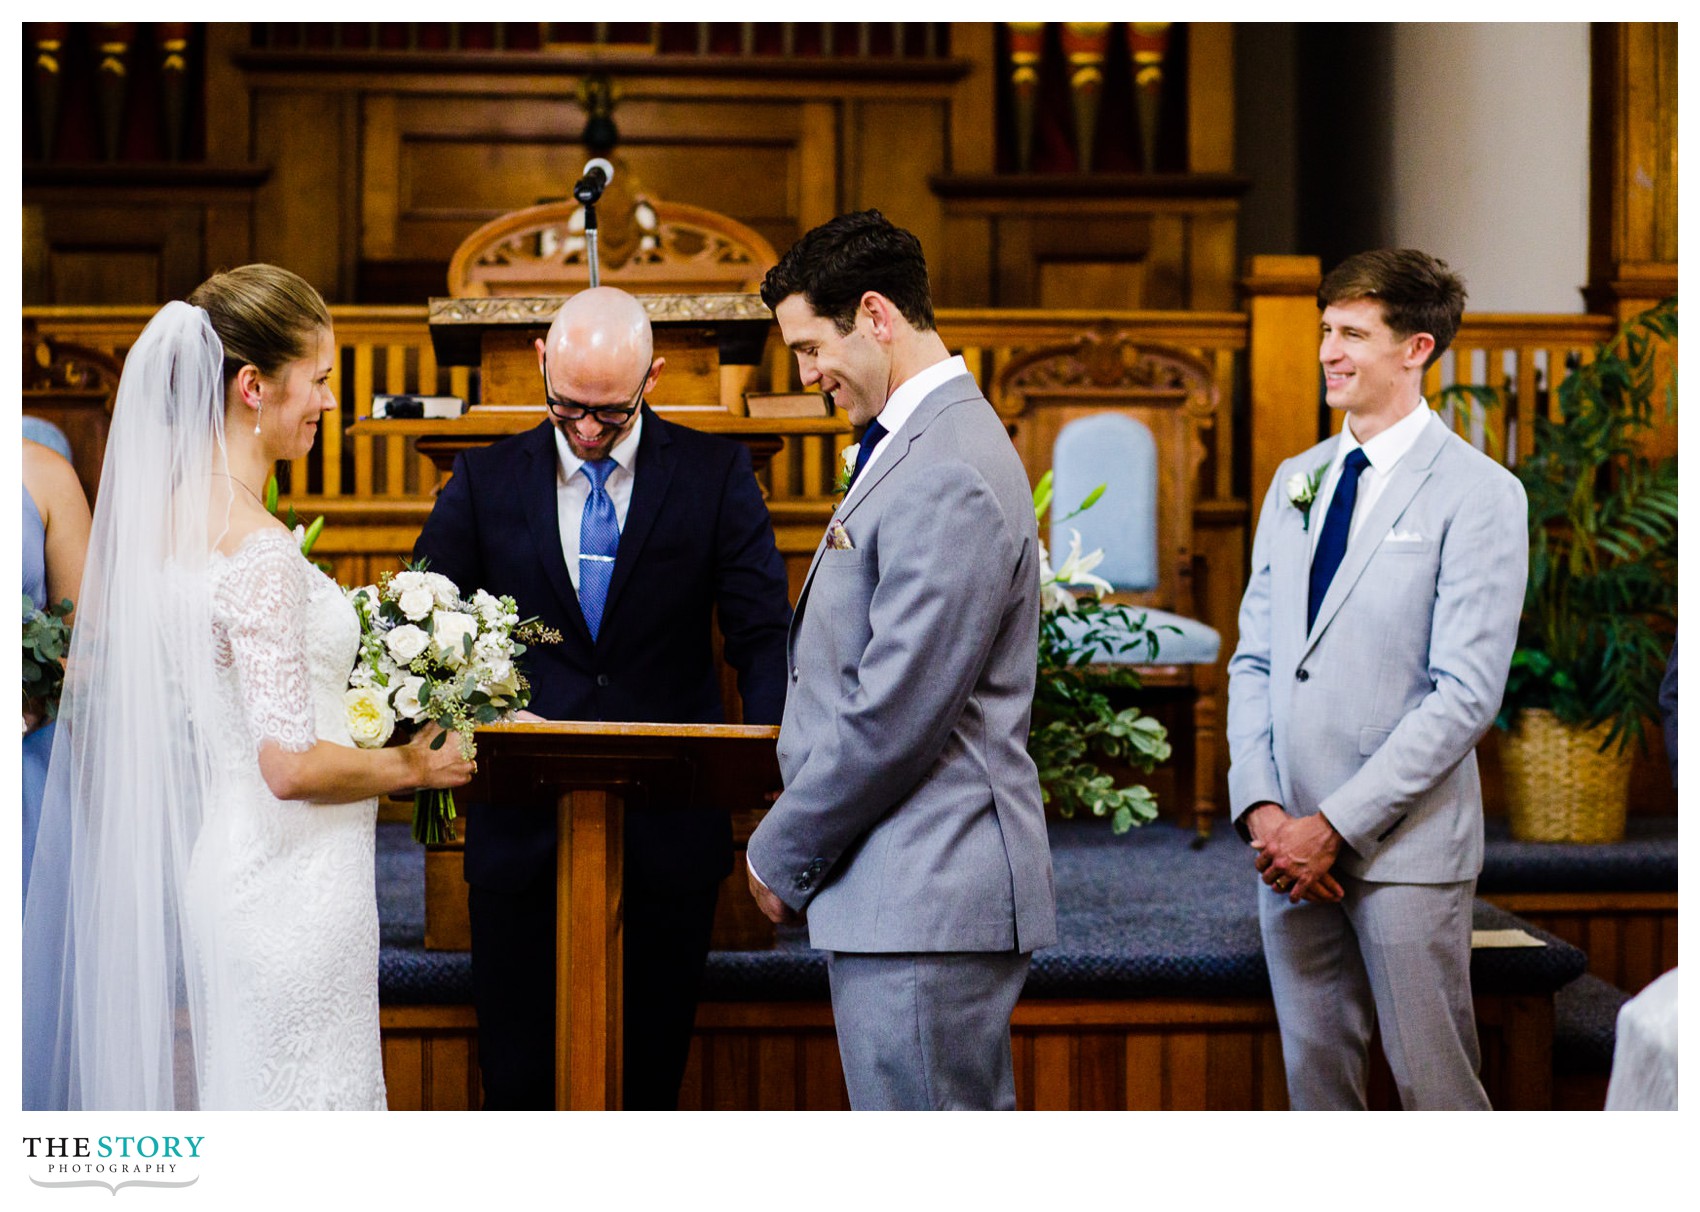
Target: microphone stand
{"x":590,"y":243}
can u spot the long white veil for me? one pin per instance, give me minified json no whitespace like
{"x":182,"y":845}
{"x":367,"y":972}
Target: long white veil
{"x":114,"y":1014}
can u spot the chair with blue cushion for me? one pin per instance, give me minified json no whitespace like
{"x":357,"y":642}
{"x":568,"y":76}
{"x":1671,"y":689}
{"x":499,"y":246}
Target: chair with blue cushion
{"x":1134,"y":419}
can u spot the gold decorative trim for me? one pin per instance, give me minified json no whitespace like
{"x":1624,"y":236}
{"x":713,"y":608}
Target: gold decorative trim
{"x":532,"y":309}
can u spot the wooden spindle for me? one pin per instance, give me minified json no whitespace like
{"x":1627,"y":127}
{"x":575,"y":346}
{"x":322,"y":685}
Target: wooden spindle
{"x":1026,"y":50}
{"x":1148,"y":43}
{"x":173,"y":37}
{"x":363,"y":381}
{"x":112,"y":82}
{"x":1084,"y":44}
{"x":49,"y":78}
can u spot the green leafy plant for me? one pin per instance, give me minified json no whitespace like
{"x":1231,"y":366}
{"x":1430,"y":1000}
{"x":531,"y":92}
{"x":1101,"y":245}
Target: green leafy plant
{"x":47,"y":636}
{"x":1075,"y":723}
{"x":1601,"y":601}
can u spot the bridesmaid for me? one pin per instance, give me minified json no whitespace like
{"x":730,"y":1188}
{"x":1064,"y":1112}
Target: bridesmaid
{"x":55,"y":541}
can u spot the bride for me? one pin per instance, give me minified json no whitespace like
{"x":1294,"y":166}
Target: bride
{"x":201,"y":928}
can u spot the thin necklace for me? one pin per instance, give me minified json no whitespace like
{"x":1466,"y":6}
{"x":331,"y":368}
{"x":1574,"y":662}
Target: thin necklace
{"x":244,"y":484}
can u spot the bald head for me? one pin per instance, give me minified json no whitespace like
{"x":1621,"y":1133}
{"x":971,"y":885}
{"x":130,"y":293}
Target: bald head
{"x":600,"y":337}
{"x":599,"y":353}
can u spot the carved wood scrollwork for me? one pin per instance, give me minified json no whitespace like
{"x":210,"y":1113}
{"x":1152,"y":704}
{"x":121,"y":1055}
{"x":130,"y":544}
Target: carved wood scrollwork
{"x":51,"y":365}
{"x":1107,"y":359}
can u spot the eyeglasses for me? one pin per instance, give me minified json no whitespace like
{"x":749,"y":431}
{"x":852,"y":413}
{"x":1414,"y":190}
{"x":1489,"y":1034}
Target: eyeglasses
{"x":611,"y":415}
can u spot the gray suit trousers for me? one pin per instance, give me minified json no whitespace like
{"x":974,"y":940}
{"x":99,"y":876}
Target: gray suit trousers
{"x":1397,"y":953}
{"x":928,"y":1030}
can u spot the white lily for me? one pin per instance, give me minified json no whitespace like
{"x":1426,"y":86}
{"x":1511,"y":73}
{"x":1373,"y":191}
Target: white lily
{"x":1077,"y":568}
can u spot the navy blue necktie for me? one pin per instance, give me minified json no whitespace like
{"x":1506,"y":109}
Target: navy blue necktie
{"x":870,"y":438}
{"x":1331,"y":547}
{"x":598,"y":543}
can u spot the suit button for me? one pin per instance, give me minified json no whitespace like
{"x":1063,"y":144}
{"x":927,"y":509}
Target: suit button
{"x":794,"y":675}
{"x":601,"y":679}
{"x":1303,"y":675}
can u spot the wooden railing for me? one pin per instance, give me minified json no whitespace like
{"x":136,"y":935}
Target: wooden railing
{"x":388,"y":349}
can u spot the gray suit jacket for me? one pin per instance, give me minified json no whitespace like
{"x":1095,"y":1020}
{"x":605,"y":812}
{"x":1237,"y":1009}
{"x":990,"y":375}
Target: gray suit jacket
{"x":911,"y":818}
{"x":1373,"y":717}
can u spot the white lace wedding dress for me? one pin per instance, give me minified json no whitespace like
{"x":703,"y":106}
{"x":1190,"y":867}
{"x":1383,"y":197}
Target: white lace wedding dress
{"x":282,"y":902}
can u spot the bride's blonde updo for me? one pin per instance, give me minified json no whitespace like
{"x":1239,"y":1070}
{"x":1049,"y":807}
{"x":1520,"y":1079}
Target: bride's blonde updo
{"x":264,"y":316}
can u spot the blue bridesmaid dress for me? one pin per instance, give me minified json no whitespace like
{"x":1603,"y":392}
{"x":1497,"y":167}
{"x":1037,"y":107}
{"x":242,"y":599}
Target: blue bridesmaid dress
{"x":38,"y":745}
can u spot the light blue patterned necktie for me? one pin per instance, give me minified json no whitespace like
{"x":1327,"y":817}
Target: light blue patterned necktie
{"x":598,"y":543}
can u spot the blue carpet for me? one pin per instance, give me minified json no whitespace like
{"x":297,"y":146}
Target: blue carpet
{"x":1644,"y":861}
{"x":1140,"y":915}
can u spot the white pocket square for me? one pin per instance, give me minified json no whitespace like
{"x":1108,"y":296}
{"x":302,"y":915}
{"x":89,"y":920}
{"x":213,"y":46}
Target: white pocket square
{"x":1404,"y":536}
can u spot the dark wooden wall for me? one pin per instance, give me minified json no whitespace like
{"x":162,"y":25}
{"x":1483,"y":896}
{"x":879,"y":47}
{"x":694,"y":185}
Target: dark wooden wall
{"x":361,"y":164}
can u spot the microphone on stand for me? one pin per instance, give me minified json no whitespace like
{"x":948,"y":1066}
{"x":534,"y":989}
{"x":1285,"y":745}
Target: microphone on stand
{"x":597,"y":174}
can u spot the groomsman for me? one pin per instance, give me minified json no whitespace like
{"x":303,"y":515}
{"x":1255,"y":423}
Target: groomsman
{"x":1375,"y":636}
{"x":631,"y":536}
{"x":910,"y":828}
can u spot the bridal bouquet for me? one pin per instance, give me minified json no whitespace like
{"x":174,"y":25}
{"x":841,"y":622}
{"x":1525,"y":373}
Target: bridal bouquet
{"x":426,"y":653}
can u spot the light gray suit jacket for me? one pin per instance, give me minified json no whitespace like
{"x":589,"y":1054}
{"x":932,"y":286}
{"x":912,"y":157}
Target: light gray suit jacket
{"x":911,"y":818}
{"x":1373,"y":717}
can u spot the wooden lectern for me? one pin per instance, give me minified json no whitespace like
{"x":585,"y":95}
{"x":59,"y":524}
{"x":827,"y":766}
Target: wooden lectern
{"x":590,"y":772}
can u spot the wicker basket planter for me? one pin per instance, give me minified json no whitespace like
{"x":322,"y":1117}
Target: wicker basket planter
{"x":1558,"y":786}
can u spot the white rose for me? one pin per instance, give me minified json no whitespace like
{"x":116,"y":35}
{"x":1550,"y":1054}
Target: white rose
{"x":370,"y":720}
{"x":416,"y":603}
{"x":446,"y":592}
{"x":406,"y":642}
{"x":407,"y":703}
{"x":1298,"y":487}
{"x":401,"y":582}
{"x":451,"y":628}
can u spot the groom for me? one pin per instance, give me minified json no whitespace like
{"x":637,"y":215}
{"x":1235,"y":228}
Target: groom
{"x":631,"y":536}
{"x":1375,"y":637}
{"x":910,"y":827}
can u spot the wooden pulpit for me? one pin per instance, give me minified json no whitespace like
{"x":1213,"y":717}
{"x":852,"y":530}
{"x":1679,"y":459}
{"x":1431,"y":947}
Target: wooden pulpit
{"x":588,"y":773}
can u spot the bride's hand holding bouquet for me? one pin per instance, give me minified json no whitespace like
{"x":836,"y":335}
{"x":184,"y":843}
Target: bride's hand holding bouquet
{"x":429,"y":657}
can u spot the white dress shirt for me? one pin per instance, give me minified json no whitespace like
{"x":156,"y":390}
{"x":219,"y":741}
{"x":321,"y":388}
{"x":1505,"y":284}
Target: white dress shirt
{"x":572,"y":489}
{"x":907,"y":398}
{"x":1383,"y":452}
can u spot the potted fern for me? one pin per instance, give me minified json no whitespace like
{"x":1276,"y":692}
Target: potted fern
{"x":1600,"y":608}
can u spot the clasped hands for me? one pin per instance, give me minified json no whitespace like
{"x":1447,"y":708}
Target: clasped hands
{"x":1294,"y":854}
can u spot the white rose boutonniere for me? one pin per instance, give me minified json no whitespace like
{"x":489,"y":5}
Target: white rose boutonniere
{"x":370,"y":720}
{"x":848,"y":468}
{"x":1302,"y":487}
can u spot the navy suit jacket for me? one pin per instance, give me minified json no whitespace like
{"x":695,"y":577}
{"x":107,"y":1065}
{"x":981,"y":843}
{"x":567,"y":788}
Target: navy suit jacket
{"x":697,"y":540}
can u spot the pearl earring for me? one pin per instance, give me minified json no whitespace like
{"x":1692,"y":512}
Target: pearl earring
{"x":258,"y":405}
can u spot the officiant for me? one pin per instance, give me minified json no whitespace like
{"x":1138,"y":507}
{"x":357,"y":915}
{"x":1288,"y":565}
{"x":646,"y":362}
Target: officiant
{"x":631,"y":536}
